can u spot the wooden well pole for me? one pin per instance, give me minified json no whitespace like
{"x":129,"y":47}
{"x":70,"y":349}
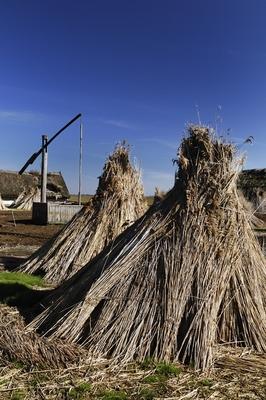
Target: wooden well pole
{"x":44,"y":168}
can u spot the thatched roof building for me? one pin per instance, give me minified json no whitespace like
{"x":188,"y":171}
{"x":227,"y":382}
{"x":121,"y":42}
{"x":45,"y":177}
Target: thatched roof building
{"x":12,"y":184}
{"x":252,"y":183}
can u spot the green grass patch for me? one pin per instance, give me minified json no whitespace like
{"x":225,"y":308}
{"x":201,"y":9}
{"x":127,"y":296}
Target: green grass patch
{"x":113,"y":395}
{"x":80,"y":391}
{"x":206,"y":382}
{"x":19,"y":289}
{"x":21,"y":278}
{"x":154,"y":378}
{"x":167,"y":369}
{"x":160,"y":368}
{"x":147,"y":394}
{"x":18,"y":395}
{"x":148,"y":363}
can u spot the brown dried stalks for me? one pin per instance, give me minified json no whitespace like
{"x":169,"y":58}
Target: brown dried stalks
{"x":25,"y":346}
{"x":118,"y":202}
{"x":94,"y":380}
{"x":187,"y":275}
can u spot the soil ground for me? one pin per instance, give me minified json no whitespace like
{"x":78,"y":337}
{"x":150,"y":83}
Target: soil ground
{"x":19,"y":237}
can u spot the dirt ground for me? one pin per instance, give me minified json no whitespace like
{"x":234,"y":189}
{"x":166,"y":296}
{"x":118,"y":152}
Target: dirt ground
{"x":19,"y":237}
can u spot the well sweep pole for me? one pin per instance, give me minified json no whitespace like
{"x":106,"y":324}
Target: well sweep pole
{"x":44,"y":168}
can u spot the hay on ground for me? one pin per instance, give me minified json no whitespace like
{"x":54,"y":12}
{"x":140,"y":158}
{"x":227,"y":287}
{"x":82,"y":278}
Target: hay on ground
{"x":26,"y":199}
{"x":25,"y":346}
{"x":187,"y":275}
{"x":118,"y":202}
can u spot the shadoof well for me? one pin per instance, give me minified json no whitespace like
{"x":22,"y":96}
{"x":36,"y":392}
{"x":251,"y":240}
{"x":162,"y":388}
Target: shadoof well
{"x":44,"y":212}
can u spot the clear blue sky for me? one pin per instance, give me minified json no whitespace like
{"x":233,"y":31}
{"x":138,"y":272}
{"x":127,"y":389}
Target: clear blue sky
{"x":136,"y":70}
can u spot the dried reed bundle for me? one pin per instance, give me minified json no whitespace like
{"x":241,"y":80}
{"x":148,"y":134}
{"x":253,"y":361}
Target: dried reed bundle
{"x":21,"y":345}
{"x":188,"y":274}
{"x":240,"y":361}
{"x":2,"y":206}
{"x":118,"y":202}
{"x":26,"y":199}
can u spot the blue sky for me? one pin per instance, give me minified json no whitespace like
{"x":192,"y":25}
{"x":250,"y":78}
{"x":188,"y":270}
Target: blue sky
{"x":137,"y":70}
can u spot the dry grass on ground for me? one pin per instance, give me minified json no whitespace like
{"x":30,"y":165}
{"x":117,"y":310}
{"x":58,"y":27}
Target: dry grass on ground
{"x":235,"y":378}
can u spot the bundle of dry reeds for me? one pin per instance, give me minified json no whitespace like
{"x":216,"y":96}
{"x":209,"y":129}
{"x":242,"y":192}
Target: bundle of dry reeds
{"x":25,"y":346}
{"x":2,"y":206}
{"x":188,"y":274}
{"x":26,"y":199}
{"x":118,"y":202}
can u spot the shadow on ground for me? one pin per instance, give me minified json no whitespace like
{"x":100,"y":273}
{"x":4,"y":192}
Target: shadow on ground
{"x":10,"y":263}
{"x":20,"y":296}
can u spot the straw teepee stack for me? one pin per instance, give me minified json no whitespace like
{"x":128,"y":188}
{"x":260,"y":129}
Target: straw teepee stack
{"x":2,"y":206}
{"x":118,"y":202}
{"x":187,"y":275}
{"x":26,"y":199}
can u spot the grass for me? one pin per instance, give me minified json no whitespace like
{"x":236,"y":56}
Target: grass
{"x":79,"y":391}
{"x":113,"y":395}
{"x":20,"y":289}
{"x":160,"y":368}
{"x":167,"y":369}
{"x":18,"y":395}
{"x":85,"y":382}
{"x":21,"y":278}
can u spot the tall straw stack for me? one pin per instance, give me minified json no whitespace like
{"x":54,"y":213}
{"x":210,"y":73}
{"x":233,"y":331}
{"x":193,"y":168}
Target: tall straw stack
{"x":187,"y":275}
{"x":118,"y":202}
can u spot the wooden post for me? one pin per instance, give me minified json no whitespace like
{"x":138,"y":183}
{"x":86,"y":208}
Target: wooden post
{"x":80,"y":162}
{"x":44,"y":168}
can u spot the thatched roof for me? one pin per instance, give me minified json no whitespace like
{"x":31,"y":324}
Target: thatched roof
{"x":253,"y":178}
{"x":187,"y":276}
{"x":12,"y":184}
{"x":252,"y":183}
